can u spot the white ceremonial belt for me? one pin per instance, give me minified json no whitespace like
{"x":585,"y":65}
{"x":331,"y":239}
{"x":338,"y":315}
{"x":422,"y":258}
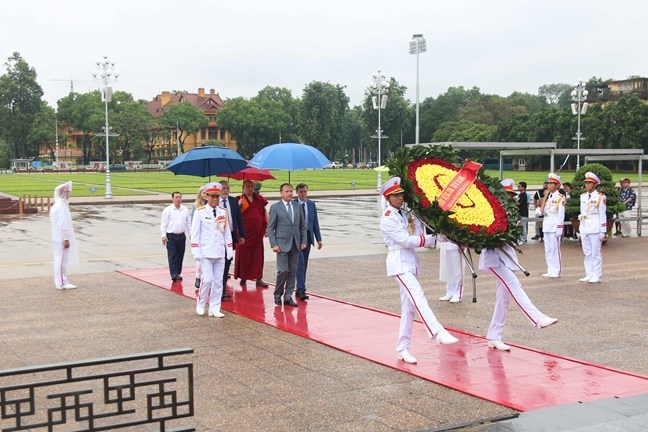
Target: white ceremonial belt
{"x":395,"y":247}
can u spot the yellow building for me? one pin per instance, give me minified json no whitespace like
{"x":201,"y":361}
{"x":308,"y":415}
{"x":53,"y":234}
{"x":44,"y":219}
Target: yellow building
{"x":209,"y":104}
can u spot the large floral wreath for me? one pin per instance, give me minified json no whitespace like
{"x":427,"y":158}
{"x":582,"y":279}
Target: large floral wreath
{"x":484,"y":217}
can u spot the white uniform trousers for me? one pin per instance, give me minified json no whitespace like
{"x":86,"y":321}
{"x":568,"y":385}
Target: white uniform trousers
{"x":591,"y":244}
{"x":509,"y":287}
{"x":451,"y":269}
{"x":60,"y":264}
{"x":212,"y":283}
{"x":413,"y":300}
{"x":553,"y":255}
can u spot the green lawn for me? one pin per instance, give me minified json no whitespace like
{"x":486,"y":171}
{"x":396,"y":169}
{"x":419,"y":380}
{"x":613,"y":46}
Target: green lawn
{"x":146,"y":183}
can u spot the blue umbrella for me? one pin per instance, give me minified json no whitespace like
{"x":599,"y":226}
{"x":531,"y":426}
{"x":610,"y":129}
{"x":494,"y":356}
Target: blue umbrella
{"x":289,"y":156}
{"x":207,"y":161}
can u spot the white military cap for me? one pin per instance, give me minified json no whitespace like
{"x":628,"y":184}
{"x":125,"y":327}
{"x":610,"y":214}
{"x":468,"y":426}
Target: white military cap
{"x":213,"y":188}
{"x":508,"y":185}
{"x":590,"y":176}
{"x":554,"y":178}
{"x":392,"y":186}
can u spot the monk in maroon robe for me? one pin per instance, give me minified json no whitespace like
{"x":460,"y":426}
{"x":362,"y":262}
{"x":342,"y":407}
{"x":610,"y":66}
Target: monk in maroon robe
{"x":249,"y":255}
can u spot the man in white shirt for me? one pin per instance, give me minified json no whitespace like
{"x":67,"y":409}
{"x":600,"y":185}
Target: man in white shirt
{"x":175,"y":224}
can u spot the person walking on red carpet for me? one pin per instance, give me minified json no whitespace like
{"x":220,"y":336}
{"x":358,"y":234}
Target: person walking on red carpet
{"x":249,"y":255}
{"x":211,"y":244}
{"x":403,"y":233}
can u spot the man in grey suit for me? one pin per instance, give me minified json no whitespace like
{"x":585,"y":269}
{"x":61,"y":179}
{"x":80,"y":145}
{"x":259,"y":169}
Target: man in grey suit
{"x":287,"y":235}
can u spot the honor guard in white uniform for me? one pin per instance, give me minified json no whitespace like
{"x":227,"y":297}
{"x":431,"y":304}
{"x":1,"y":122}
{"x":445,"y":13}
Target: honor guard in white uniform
{"x":593,"y":227}
{"x":553,"y":210}
{"x":451,"y":271}
{"x":211,"y":244}
{"x":502,"y":263}
{"x":403,"y":233}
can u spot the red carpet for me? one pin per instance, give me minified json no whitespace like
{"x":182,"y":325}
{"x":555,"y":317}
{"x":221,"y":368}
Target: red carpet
{"x":523,"y":379}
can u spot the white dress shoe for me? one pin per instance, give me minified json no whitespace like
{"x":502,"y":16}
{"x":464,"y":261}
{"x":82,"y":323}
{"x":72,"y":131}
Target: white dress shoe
{"x":216,"y":314}
{"x":585,"y":279}
{"x":446,"y":297}
{"x":200,"y":311}
{"x":554,"y":275}
{"x":546,"y":275}
{"x":594,"y":280}
{"x":546,"y":321}
{"x":444,"y":337}
{"x":68,"y":286}
{"x":498,"y":345}
{"x":406,"y":357}
{"x":455,"y":300}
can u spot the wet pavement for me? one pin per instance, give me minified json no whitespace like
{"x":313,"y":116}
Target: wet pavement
{"x":253,"y":377}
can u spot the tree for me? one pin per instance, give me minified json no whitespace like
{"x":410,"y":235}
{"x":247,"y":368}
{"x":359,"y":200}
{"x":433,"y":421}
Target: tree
{"x":288,"y":132}
{"x":43,"y":130}
{"x":184,"y":117}
{"x":446,"y":107}
{"x":463,"y":131}
{"x":20,"y":101}
{"x":253,"y":123}
{"x":489,"y":109}
{"x":532,"y":103}
{"x":554,"y":93}
{"x":321,"y":116}
{"x":85,"y":113}
{"x":132,"y":121}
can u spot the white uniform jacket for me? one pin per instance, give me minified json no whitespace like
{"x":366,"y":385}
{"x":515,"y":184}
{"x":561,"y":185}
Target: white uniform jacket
{"x":402,"y":235}
{"x":494,"y":257}
{"x":592,"y":213}
{"x":211,"y":236}
{"x":554,"y":213}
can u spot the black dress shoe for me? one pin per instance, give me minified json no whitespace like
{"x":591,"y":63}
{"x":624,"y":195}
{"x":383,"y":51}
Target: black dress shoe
{"x":179,"y":277}
{"x":303,"y":296}
{"x":262,"y":284}
{"x":226,"y":296}
{"x":290,"y":302}
{"x":278,"y":301}
{"x":175,"y":278}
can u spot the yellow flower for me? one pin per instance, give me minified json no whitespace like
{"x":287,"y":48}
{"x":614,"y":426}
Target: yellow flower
{"x":472,"y":208}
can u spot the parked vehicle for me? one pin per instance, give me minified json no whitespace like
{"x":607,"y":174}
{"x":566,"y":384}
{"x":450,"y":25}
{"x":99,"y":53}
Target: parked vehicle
{"x":334,"y":165}
{"x":117,"y":168}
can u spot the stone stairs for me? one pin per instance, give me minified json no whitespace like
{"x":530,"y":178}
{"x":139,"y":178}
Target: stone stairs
{"x":11,"y":206}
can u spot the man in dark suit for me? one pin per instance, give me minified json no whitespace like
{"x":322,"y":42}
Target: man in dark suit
{"x":287,"y":235}
{"x":236,"y":226}
{"x":309,"y":212}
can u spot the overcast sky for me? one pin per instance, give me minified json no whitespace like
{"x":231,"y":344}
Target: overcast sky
{"x":239,"y":47}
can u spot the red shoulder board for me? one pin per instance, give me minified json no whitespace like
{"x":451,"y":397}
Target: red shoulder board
{"x":388,"y":212}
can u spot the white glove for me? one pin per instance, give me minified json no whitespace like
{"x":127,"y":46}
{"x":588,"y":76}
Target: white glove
{"x":559,"y":232}
{"x":538,"y":212}
{"x":580,"y":217}
{"x":441,"y":238}
{"x":196,"y":253}
{"x":602,"y":236}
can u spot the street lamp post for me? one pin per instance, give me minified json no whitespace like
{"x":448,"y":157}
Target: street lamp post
{"x":105,"y":74}
{"x":378,"y":86}
{"x":417,"y":46}
{"x":579,"y":107}
{"x":56,"y":137}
